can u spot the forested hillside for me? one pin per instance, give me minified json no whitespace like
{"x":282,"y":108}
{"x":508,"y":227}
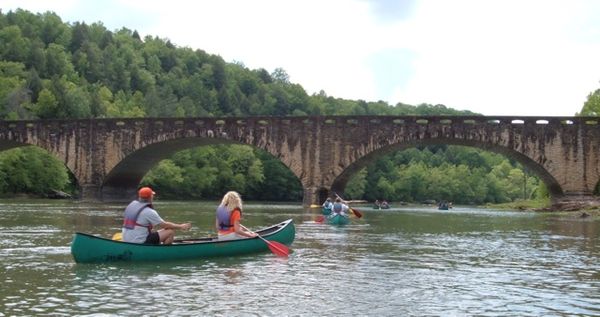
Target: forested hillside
{"x":53,"y":69}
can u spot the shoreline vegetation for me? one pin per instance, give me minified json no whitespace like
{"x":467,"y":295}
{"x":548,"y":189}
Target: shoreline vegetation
{"x":50,"y":69}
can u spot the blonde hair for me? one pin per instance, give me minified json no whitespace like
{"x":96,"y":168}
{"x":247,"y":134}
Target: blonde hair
{"x":232,"y":200}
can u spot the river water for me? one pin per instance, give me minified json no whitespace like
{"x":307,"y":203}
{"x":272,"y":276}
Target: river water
{"x":398,"y":262}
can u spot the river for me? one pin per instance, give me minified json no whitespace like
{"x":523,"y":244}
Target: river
{"x":397,"y":262}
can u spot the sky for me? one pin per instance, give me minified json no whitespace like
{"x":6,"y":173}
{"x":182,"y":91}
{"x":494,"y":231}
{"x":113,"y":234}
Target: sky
{"x":494,"y":57}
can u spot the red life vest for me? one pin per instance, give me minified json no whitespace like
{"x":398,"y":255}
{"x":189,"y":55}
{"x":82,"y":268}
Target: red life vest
{"x":132,"y":213}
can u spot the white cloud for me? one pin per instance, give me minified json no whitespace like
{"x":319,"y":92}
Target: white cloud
{"x":494,"y":57}
{"x":509,"y":58}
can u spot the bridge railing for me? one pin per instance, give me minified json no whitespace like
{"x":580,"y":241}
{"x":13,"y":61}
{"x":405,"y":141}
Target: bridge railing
{"x":194,"y":122}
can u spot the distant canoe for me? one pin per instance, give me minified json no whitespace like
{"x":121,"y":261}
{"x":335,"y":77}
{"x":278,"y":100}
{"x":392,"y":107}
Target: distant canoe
{"x":381,"y":207}
{"x":338,"y":219}
{"x":444,"y":206}
{"x":87,"y":248}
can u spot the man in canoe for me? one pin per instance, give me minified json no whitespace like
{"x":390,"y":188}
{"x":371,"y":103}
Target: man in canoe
{"x":339,"y":207}
{"x":140,"y":218}
{"x":229,"y":214}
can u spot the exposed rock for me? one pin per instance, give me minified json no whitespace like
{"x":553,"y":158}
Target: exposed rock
{"x":582,"y":203}
{"x":57,"y":194}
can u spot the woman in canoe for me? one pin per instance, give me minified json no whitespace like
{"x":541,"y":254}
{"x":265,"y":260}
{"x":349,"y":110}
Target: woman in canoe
{"x":229,"y":214}
{"x":140,"y":218}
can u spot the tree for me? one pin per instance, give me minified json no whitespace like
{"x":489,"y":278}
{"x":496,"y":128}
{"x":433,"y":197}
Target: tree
{"x":13,"y":46}
{"x":54,"y":30}
{"x":32,"y":170}
{"x":47,"y":105}
{"x":165,"y":177}
{"x":101,"y":101}
{"x":591,"y":107}
{"x":58,"y":62}
{"x":356,"y":186}
{"x":34,"y":84}
{"x":17,"y":103}
{"x":279,"y":184}
{"x":281,"y":76}
{"x":13,"y":90}
{"x":79,"y":32}
{"x":77,"y":103}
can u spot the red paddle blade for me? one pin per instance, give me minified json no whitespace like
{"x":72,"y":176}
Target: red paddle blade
{"x":320,"y":218}
{"x":279,"y":249}
{"x":357,"y":213}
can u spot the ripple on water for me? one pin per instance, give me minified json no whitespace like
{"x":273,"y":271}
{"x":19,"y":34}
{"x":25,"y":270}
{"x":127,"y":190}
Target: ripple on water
{"x":404,"y":262}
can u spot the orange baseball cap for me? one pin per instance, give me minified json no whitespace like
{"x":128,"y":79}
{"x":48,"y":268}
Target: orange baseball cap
{"x":145,"y":192}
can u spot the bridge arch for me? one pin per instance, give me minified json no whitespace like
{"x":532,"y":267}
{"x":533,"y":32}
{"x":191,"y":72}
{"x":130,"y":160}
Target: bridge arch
{"x":123,"y":179}
{"x":553,"y":186}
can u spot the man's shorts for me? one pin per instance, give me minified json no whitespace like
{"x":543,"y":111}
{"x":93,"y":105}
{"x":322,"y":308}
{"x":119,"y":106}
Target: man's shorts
{"x":152,"y":238}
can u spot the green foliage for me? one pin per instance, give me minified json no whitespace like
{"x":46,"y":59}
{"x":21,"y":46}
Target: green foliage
{"x":356,"y":188}
{"x":459,"y":174}
{"x":31,"y":170}
{"x":51,"y":69}
{"x":47,"y":104}
{"x":208,"y":172}
{"x":591,"y":107}
{"x":279,"y":183}
{"x":150,"y":77}
{"x":165,"y":177}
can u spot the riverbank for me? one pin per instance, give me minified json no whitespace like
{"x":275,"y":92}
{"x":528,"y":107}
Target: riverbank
{"x":545,"y":205}
{"x":529,"y":205}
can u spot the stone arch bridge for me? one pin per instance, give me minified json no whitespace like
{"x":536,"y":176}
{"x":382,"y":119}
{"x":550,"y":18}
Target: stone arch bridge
{"x":109,"y":157}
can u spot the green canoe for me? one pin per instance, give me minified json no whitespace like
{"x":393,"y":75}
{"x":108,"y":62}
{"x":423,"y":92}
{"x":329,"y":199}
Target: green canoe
{"x":381,"y":207}
{"x":338,"y":219}
{"x":87,"y":248}
{"x":326,"y":211}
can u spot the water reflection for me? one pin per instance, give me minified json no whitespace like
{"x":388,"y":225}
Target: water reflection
{"x":389,"y":263}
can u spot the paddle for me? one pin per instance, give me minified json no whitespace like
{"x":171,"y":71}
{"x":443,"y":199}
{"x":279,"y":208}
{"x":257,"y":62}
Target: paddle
{"x":320,"y":219}
{"x":357,"y":213}
{"x":277,"y":248}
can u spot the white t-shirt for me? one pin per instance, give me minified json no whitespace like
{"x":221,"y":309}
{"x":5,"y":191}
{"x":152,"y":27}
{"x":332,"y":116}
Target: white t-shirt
{"x":138,"y":234}
{"x":344,"y":210}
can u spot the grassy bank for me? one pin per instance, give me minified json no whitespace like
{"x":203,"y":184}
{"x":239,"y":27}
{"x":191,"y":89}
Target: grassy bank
{"x":530,"y":205}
